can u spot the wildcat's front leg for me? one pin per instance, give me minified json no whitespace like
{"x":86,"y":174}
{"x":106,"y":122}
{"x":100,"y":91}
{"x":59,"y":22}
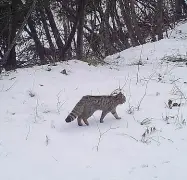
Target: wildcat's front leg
{"x":104,"y":113}
{"x":114,"y":113}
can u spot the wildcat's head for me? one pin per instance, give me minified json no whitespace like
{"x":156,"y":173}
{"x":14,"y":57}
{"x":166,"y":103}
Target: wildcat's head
{"x":120,"y":97}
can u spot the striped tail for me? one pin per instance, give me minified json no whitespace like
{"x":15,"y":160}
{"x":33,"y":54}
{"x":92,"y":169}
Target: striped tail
{"x":70,"y":117}
{"x":77,"y":110}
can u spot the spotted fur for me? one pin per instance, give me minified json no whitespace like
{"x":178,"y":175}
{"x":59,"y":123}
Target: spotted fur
{"x":87,"y":105}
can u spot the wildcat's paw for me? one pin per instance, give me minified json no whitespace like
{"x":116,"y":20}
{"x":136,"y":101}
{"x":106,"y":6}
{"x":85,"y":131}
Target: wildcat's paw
{"x":80,"y":124}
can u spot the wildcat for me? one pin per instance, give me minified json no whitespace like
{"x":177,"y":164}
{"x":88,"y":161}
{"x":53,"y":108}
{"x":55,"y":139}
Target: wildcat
{"x":87,"y":105}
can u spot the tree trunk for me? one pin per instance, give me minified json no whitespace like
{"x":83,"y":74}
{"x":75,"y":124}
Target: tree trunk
{"x":135,"y":23}
{"x":54,"y":27}
{"x":123,"y":36}
{"x":160,"y":19}
{"x":126,"y":16}
{"x":178,"y":9}
{"x":79,"y":49}
{"x":48,"y":36}
{"x":39,"y":47}
{"x":67,"y":29}
{"x":11,"y":60}
{"x":73,"y":30}
{"x":106,"y":31}
{"x":184,"y":5}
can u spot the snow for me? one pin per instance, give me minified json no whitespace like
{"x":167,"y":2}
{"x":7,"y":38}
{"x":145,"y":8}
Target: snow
{"x":37,"y":144}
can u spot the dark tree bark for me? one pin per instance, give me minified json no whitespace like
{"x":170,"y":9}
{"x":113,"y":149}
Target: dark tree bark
{"x":160,"y":19}
{"x":112,"y":26}
{"x":70,"y":13}
{"x":79,"y":49}
{"x":124,"y":6}
{"x":106,"y":31}
{"x":1,"y":54}
{"x":11,"y":60}
{"x":135,"y":23}
{"x":73,"y":30}
{"x":184,"y":4}
{"x":178,"y":9}
{"x":54,"y":28}
{"x":67,"y":29}
{"x":48,"y":36}
{"x":38,"y":44}
{"x":123,"y":36}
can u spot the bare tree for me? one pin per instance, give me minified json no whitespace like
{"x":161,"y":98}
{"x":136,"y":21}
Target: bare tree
{"x":79,"y":49}
{"x":88,"y":27}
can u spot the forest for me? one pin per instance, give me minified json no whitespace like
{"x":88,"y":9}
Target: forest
{"x":38,"y":32}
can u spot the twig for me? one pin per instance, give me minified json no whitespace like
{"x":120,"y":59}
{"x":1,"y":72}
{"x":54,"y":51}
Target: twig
{"x":175,"y":80}
{"x":145,"y":121}
{"x":28,"y":133}
{"x":47,"y":140}
{"x":155,"y":140}
{"x":130,"y":109}
{"x":145,"y":136}
{"x":2,"y":88}
{"x":11,"y":86}
{"x":167,"y":139}
{"x":12,"y":78}
{"x":135,"y":119}
{"x":145,"y":92}
{"x":59,"y":103}
{"x":137,"y":75}
{"x":36,"y":111}
{"x":182,"y":94}
{"x":101,"y":134}
{"x":54,"y":158}
{"x":123,"y":134}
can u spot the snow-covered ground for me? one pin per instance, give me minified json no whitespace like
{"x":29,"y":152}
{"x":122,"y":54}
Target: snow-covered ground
{"x":37,"y":144}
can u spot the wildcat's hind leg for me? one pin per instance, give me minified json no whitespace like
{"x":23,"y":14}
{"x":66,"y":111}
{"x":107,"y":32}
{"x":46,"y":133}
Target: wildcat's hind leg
{"x":88,"y":112}
{"x":86,"y":121}
{"x":79,"y":121}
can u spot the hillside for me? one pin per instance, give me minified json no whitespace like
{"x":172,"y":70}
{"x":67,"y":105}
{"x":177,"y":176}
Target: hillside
{"x":37,"y":144}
